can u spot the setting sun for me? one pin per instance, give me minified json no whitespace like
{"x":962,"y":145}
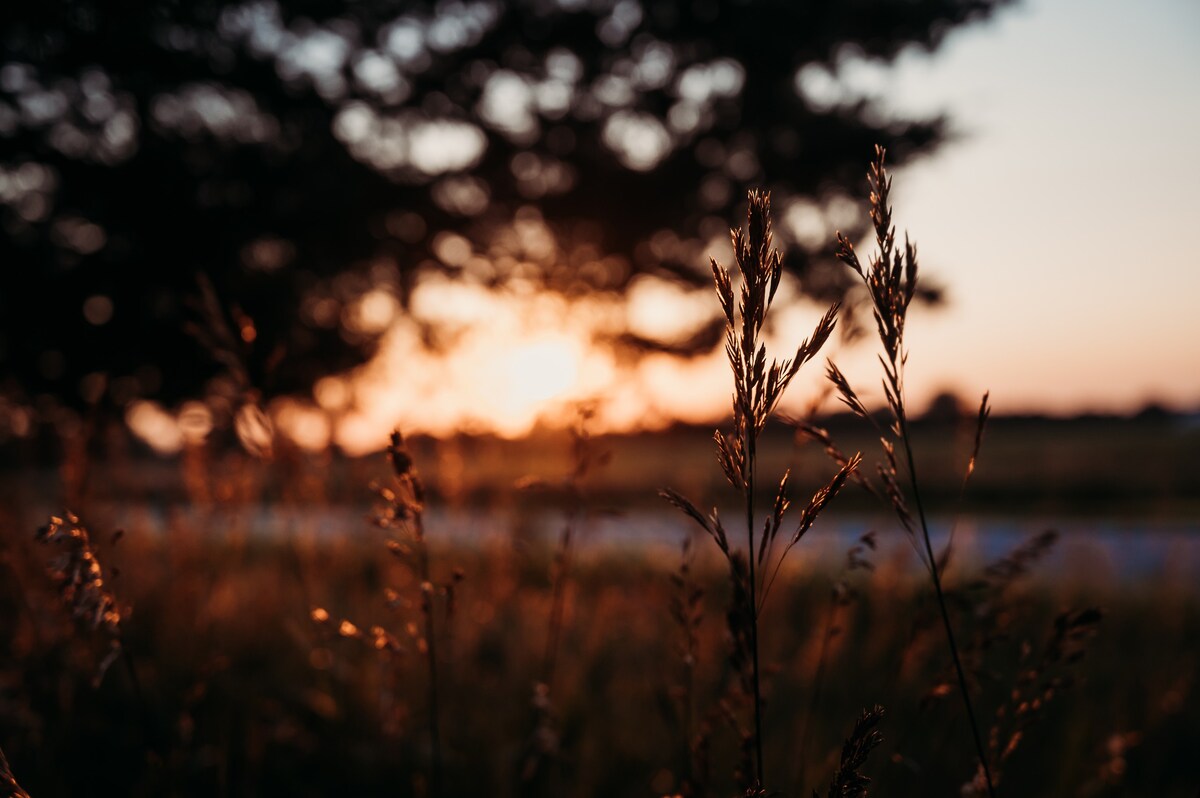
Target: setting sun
{"x":531,"y":374}
{"x":502,"y":363}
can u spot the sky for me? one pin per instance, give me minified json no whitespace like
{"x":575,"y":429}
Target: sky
{"x":1056,"y":218}
{"x":1059,"y":217}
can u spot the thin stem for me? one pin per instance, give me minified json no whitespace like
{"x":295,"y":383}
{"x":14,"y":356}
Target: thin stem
{"x":814,"y":695}
{"x":8,"y":782}
{"x":558,"y":602}
{"x":766,"y":591}
{"x":753,"y":598}
{"x":434,"y":735}
{"x":689,"y":712}
{"x":689,"y":673}
{"x":435,"y":770}
{"x":941,"y":600}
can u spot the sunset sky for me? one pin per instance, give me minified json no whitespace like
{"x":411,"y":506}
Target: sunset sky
{"x":1056,"y":219}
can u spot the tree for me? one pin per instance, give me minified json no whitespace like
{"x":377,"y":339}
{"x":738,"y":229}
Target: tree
{"x":298,"y":157}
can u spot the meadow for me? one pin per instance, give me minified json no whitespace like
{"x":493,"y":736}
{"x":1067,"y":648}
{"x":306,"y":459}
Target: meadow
{"x":222,"y":624}
{"x":245,"y":695}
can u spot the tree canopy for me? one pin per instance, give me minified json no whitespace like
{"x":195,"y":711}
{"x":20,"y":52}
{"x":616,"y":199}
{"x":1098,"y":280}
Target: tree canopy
{"x":285,"y":159}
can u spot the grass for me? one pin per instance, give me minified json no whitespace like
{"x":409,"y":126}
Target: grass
{"x":891,"y":283}
{"x":757,"y":389}
{"x":261,"y":702}
{"x":245,"y":675}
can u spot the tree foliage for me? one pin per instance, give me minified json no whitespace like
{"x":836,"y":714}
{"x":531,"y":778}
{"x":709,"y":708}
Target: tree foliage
{"x":299,"y":155}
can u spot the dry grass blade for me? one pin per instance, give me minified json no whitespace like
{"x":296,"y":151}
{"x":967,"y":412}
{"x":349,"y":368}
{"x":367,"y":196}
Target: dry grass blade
{"x":678,"y":500}
{"x":9,"y":788}
{"x":1018,"y":561}
{"x":81,"y":584}
{"x":407,"y":506}
{"x":846,"y":393}
{"x":895,"y":495}
{"x":402,"y":515}
{"x":1038,"y":683}
{"x":758,"y":385}
{"x":724,"y":286}
{"x":773,"y":521}
{"x":848,"y":782}
{"x":985,"y":410}
{"x":822,"y":498}
{"x":806,"y":430}
{"x":891,"y":280}
{"x":809,"y":515}
{"x":810,"y":347}
{"x":709,"y":524}
{"x":731,"y":458}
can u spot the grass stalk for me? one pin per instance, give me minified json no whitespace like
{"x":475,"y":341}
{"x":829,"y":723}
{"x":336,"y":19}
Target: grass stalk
{"x":9,"y":788}
{"x":407,"y":510}
{"x":842,"y":596}
{"x":583,"y":460}
{"x":427,"y":609}
{"x":935,"y":576}
{"x":558,"y":601}
{"x":754,"y":607}
{"x":891,"y":282}
{"x":758,"y":387}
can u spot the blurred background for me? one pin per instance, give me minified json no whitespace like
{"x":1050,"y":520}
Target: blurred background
{"x":243,"y":241}
{"x":466,"y":217}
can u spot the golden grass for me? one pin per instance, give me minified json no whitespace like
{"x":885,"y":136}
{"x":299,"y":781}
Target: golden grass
{"x":251,"y":684}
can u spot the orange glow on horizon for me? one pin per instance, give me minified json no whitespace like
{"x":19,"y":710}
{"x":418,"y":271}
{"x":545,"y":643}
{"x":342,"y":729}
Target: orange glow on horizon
{"x":507,"y":362}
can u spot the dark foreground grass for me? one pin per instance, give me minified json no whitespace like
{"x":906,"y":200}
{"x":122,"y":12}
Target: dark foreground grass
{"x":345,"y":664}
{"x":244,"y":695}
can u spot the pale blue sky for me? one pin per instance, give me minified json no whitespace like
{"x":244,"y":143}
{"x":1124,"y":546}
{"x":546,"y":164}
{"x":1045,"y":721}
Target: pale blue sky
{"x":1060,"y":217}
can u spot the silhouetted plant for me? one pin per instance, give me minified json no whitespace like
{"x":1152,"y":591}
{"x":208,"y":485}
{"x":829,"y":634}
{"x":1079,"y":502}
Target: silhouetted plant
{"x":687,"y":611}
{"x":891,"y":282}
{"x":848,"y":782}
{"x":82,"y":585}
{"x":9,"y":788}
{"x":404,"y":514}
{"x":758,"y":388}
{"x":544,"y":743}
{"x":842,"y":596}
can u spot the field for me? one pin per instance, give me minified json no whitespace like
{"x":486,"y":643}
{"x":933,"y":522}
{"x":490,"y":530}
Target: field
{"x":446,"y":398}
{"x":240,"y":692}
{"x":565,"y":614}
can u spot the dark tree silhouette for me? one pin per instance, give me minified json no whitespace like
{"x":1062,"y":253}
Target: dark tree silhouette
{"x":299,"y":156}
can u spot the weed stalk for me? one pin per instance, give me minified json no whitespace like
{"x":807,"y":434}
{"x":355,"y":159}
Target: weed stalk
{"x":408,"y":507}
{"x":9,"y":788}
{"x":891,"y":282}
{"x":758,"y":388}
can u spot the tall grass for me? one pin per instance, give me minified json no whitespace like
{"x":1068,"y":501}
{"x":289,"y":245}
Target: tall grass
{"x":403,"y":516}
{"x":545,"y":741}
{"x":891,"y":282}
{"x":282,"y":706}
{"x":273,"y":714}
{"x":757,"y":389}
{"x":9,"y":788}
